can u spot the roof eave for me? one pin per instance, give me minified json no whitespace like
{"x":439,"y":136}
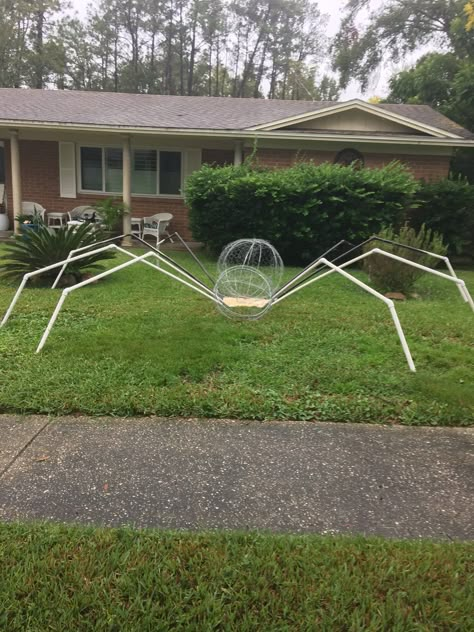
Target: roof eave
{"x":237,"y":134}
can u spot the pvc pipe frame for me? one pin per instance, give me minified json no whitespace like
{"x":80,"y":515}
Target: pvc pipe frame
{"x":136,"y":259}
{"x":286,"y":289}
{"x":459,"y":282}
{"x":64,"y":263}
{"x":339,"y":269}
{"x":71,"y":257}
{"x":199,"y":287}
{"x":313,"y":266}
{"x":76,"y":257}
{"x":387,"y":301}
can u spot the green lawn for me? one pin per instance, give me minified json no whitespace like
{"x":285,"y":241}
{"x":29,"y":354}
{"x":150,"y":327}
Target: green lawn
{"x":137,"y":343}
{"x":74,"y":578}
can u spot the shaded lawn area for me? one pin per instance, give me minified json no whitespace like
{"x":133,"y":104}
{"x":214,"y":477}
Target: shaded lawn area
{"x":138,"y":343}
{"x":77,"y":578}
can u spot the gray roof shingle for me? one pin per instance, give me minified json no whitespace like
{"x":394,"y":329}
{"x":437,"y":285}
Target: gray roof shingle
{"x":175,"y":112}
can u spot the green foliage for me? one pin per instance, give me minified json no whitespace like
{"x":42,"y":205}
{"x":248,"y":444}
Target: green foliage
{"x":394,"y":30}
{"x":302,"y":210}
{"x":446,"y":82}
{"x":29,"y":220}
{"x":43,"y":247}
{"x":388,"y":275}
{"x":447,"y":207}
{"x":428,"y":81}
{"x":462,"y":164}
{"x":110,"y":211}
{"x":440,"y":80}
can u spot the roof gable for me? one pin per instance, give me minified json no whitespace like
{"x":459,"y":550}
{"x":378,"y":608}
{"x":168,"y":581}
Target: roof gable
{"x":356,"y":116}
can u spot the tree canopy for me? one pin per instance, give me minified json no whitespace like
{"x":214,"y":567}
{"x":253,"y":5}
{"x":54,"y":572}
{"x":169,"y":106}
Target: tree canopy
{"x":240,"y":48}
{"x":398,"y":28}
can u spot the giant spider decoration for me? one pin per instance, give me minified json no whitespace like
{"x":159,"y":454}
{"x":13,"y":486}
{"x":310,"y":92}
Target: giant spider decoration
{"x":249,"y":279}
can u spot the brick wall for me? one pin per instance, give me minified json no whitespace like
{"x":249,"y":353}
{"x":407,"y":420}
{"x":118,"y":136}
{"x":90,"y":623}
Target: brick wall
{"x":40,"y":176}
{"x":218,"y":157}
{"x":426,"y":167}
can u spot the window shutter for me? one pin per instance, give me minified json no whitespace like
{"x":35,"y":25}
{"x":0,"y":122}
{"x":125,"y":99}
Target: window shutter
{"x":192,"y":162}
{"x":67,"y":170}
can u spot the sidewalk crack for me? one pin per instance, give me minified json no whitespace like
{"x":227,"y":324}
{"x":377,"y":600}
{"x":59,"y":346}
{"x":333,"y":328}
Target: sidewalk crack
{"x":25,"y":447}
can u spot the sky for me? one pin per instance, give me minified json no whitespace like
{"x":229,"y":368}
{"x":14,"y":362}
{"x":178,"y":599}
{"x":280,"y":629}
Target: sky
{"x":333,"y":9}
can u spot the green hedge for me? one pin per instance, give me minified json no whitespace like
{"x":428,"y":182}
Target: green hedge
{"x":302,"y":210}
{"x":447,"y":207}
{"x":306,"y":209}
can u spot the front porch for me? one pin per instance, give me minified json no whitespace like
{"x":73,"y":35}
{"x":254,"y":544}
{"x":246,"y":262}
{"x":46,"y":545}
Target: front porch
{"x":63,"y":171}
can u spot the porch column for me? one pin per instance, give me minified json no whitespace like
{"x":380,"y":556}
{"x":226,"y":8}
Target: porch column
{"x":238,"y":152}
{"x":127,"y":189}
{"x":16,"y":176}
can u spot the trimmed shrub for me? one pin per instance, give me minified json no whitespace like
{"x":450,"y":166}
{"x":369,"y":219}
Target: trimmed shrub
{"x":389,"y":275}
{"x":302,"y":210}
{"x":447,"y":207}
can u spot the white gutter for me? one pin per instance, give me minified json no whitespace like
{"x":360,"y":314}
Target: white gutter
{"x":237,"y":134}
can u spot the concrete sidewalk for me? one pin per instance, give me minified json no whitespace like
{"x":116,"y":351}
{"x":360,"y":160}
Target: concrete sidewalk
{"x":292,"y":477}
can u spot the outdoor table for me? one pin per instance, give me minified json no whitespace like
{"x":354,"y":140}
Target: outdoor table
{"x":136,"y":222}
{"x":56,"y":220}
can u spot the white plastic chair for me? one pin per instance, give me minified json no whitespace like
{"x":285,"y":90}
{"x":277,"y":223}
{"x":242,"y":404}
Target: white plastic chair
{"x":156,"y":225}
{"x":79,"y":211}
{"x":33,"y":208}
{"x":82,"y":213}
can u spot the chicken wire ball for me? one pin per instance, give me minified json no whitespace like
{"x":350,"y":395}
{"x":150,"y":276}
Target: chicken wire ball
{"x":244,"y":292}
{"x":255,"y":253}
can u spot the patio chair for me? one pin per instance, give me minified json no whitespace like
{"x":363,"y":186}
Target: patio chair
{"x":85,"y":212}
{"x":156,"y":225}
{"x":78,"y":212}
{"x":33,"y":208}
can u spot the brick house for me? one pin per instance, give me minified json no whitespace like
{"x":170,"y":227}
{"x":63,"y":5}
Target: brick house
{"x":65,"y":149}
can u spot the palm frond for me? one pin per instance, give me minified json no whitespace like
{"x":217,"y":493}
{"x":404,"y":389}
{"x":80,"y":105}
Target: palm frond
{"x":36,"y":249}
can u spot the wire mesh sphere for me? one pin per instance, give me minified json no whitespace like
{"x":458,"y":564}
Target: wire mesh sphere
{"x":245,"y":293}
{"x":256,"y":253}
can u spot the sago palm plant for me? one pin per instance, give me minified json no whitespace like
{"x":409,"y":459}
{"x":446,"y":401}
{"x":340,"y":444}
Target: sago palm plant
{"x":36,"y":250}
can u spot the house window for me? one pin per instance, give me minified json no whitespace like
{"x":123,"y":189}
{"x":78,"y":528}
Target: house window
{"x":170,"y":172}
{"x":91,"y":169}
{"x":101,"y":169}
{"x":153,"y":172}
{"x":144,"y":171}
{"x":113,"y":169}
{"x":348,"y":157}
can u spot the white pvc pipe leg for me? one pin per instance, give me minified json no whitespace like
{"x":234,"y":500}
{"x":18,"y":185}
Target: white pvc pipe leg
{"x":68,"y":290}
{"x":52,"y":320}
{"x":401,"y":335}
{"x":459,"y":282}
{"x":15,"y":299}
{"x":384,"y":299}
{"x":387,"y":302}
{"x":135,"y":259}
{"x":29,"y":275}
{"x":71,"y":257}
{"x":453,"y":274}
